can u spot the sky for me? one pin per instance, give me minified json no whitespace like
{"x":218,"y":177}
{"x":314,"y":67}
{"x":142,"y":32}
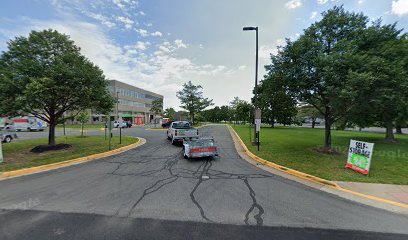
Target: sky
{"x":160,"y":44}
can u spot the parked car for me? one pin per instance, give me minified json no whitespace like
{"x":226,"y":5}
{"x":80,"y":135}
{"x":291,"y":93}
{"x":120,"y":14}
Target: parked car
{"x":7,"y":135}
{"x":166,"y":124}
{"x":201,"y":147}
{"x":181,"y":130}
{"x":117,"y":123}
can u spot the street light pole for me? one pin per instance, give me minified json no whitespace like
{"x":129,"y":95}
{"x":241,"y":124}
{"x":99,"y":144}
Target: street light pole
{"x":256,"y":140}
{"x":117,"y":114}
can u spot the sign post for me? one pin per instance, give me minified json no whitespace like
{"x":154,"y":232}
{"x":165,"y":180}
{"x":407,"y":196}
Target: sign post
{"x":359,"y":157}
{"x":257,"y":126}
{"x":1,"y":153}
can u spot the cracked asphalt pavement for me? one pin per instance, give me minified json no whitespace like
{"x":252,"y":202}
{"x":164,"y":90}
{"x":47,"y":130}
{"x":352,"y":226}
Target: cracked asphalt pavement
{"x":152,"y":192}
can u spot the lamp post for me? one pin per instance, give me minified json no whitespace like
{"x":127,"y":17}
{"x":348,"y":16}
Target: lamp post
{"x":256,"y":140}
{"x":117,"y":114}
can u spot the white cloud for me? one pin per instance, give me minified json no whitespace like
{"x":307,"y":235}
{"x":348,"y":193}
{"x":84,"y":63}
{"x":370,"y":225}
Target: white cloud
{"x":292,"y":4}
{"x":322,"y":2}
{"x":142,"y":32}
{"x":242,"y":67}
{"x":142,"y":13}
{"x":313,"y":15}
{"x":157,"y":33}
{"x":399,"y":7}
{"x":142,"y":45}
{"x":119,"y":4}
{"x":162,"y":72}
{"x":104,"y":20}
{"x":126,"y":21}
{"x":361,"y":1}
{"x":265,"y":51}
{"x":179,"y":43}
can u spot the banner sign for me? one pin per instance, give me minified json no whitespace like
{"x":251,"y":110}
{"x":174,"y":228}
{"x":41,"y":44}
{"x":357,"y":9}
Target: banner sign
{"x":359,"y":156}
{"x":258,"y":125}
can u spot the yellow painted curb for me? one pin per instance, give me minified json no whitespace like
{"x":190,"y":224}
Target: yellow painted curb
{"x":309,"y":177}
{"x":53,"y":166}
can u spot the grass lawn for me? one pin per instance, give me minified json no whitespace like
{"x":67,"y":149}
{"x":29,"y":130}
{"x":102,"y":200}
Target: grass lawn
{"x":17,"y":155}
{"x":86,"y":126}
{"x":295,"y":148}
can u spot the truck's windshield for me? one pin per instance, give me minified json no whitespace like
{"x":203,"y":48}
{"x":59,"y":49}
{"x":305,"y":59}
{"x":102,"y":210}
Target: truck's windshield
{"x":181,"y":125}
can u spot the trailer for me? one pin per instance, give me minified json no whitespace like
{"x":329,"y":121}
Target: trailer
{"x":200,"y":147}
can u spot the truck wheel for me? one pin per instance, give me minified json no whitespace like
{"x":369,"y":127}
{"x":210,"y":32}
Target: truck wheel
{"x":185,"y":156}
{"x":7,"y":139}
{"x":173,"y":142}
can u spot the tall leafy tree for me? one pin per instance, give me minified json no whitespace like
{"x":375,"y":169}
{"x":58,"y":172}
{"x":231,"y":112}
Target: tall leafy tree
{"x":384,"y":54}
{"x":244,"y":111}
{"x":276,"y":101}
{"x":157,"y":107}
{"x":320,"y":63}
{"x":46,"y":75}
{"x":169,"y":113}
{"x":82,"y":117}
{"x":192,"y":100}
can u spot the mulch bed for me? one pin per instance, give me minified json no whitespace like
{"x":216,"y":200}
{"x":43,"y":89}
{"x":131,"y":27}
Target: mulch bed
{"x":45,"y":148}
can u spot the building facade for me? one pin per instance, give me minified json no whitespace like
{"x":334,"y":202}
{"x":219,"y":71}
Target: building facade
{"x":133,"y":104}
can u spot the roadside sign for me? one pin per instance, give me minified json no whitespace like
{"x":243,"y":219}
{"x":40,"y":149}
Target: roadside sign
{"x":258,"y":125}
{"x":257,"y":113}
{"x":359,"y":157}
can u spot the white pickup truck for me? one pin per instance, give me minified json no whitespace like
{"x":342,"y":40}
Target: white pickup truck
{"x":181,"y":130}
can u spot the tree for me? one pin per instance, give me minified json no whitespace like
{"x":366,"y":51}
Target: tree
{"x":308,"y":111}
{"x":191,"y":98}
{"x":276,"y":102}
{"x":244,"y":111}
{"x":320,"y":65}
{"x":170,"y":113}
{"x":157,"y":107}
{"x":45,"y":75}
{"x":82,"y":117}
{"x":384,"y":56}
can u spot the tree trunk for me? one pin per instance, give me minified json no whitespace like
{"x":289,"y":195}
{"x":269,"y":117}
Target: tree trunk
{"x":313,"y":122}
{"x":389,"y":134}
{"x":327,"y":130}
{"x":398,"y":129}
{"x":51,"y":134}
{"x":82,"y":130}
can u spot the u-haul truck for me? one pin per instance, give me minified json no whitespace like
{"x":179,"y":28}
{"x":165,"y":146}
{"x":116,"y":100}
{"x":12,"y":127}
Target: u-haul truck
{"x":29,"y":123}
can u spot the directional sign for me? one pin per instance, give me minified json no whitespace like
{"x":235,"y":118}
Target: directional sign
{"x":359,"y":157}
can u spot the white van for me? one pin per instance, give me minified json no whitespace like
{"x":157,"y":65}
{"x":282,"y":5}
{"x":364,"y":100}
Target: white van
{"x":29,"y":123}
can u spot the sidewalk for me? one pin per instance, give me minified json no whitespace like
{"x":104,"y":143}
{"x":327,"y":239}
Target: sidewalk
{"x":396,"y":193}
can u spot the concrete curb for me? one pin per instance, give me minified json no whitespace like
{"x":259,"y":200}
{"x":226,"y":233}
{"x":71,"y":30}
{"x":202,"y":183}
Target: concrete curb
{"x":308,"y":177}
{"x":67,"y":163}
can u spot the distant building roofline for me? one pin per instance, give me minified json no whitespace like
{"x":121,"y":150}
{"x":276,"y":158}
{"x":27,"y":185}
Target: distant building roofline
{"x":137,"y":88}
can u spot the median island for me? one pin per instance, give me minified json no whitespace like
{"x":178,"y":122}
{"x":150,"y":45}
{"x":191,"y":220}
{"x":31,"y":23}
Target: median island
{"x":18,"y":155}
